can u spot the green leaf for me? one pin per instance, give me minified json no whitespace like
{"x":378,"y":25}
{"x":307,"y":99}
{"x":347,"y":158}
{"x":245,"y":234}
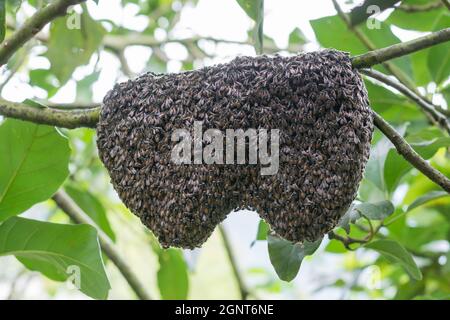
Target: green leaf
{"x":446,"y":92}
{"x":362,"y":12}
{"x":286,"y":257}
{"x":58,"y":251}
{"x":261,"y":234}
{"x":439,"y":55}
{"x":173,"y":279}
{"x":430,"y":196}
{"x":70,"y":46}
{"x":34,"y":163}
{"x":350,"y":216}
{"x":420,"y":20}
{"x":84,"y":88}
{"x":342,"y":39}
{"x":394,"y":169}
{"x":376,"y":164}
{"x":2,"y":20}
{"x":296,"y":37}
{"x":92,"y":207}
{"x":255,"y":10}
{"x":376,"y":211}
{"x":263,"y":228}
{"x":395,"y":252}
{"x":396,"y":166}
{"x":335,"y":246}
{"x":420,"y":67}
{"x":156,"y":64}
{"x":393,"y":107}
{"x":46,"y":80}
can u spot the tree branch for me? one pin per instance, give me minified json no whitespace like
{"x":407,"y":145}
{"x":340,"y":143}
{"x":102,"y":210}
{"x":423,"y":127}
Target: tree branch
{"x":229,"y":250}
{"x":32,"y":26}
{"x":120,"y":42}
{"x":421,"y":7}
{"x":438,"y":117}
{"x":446,"y":3}
{"x":65,"y":119}
{"x":401,"y":49}
{"x":409,"y":154}
{"x":66,"y":204}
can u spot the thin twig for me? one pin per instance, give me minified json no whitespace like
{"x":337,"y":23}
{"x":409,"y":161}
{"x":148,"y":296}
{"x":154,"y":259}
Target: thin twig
{"x":78,"y":216}
{"x":229,"y":250}
{"x":124,"y":64}
{"x":348,"y":241}
{"x":32,"y":26}
{"x":428,"y":255}
{"x":409,"y":154}
{"x":437,"y":116}
{"x":421,"y":7}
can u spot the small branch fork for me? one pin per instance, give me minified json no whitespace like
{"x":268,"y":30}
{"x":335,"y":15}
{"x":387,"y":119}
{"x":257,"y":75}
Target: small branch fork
{"x":348,"y":241}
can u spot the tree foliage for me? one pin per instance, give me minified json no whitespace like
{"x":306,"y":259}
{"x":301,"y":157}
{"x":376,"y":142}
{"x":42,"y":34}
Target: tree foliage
{"x":399,"y":222}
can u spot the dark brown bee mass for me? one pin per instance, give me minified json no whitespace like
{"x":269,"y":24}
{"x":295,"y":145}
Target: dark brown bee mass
{"x":316,"y":100}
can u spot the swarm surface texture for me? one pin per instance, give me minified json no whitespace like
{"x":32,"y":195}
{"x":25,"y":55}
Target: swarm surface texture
{"x":316,"y":100}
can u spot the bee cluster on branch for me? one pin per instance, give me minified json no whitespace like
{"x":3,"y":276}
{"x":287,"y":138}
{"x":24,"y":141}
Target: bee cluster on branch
{"x":316,"y":100}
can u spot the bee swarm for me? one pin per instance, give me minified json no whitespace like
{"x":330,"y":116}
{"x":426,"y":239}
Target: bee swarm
{"x":316,"y":100}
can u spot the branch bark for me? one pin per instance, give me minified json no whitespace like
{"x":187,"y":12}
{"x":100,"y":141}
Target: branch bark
{"x":409,"y":154}
{"x":65,"y":119}
{"x":32,"y":26}
{"x":374,"y":57}
{"x":66,"y":204}
{"x":421,"y":7}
